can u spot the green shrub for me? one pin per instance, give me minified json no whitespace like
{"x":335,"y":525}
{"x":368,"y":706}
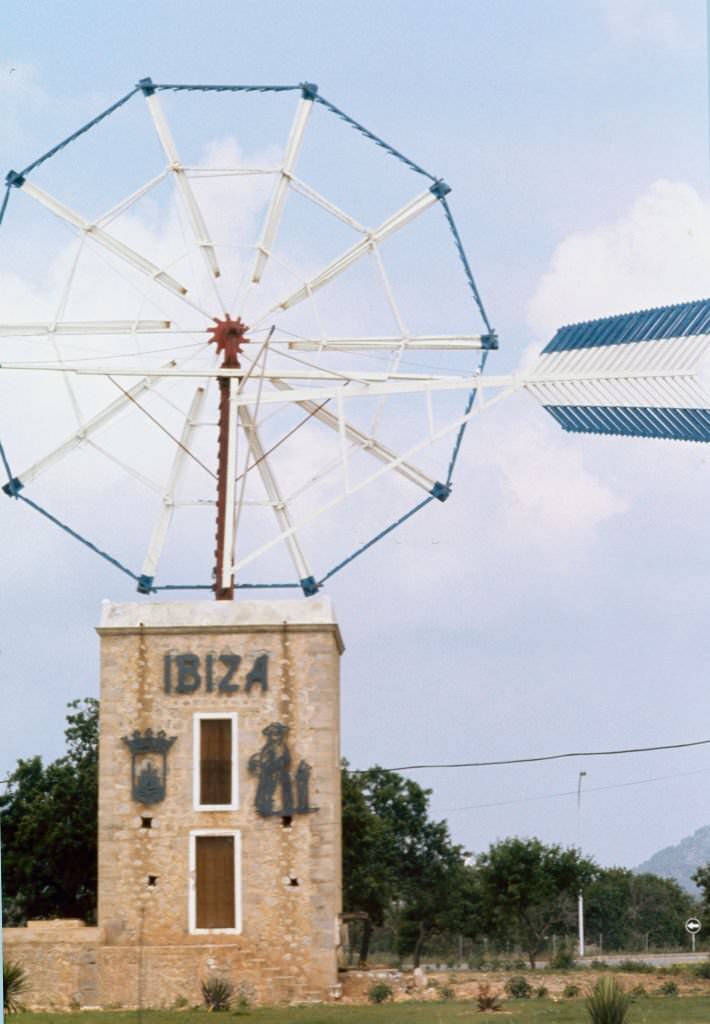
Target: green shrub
{"x":487,"y":999}
{"x":669,"y":988}
{"x":635,"y":966}
{"x":14,"y":983}
{"x":379,"y":992}
{"x":563,"y":960}
{"x":608,"y":1003}
{"x":446,"y":992}
{"x":518,"y":987}
{"x":702,"y":970}
{"x":571,"y":990}
{"x":217,"y":993}
{"x":541,"y":991}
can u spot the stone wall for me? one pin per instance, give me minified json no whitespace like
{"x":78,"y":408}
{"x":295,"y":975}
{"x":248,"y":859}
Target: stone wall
{"x":60,"y":958}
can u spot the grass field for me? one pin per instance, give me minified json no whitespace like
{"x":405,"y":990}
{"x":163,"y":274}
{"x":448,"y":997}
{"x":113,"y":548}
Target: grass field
{"x":656,"y":1010}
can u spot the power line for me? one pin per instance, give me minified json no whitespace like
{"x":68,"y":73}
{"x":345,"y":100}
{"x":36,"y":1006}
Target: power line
{"x":550,"y":757}
{"x":572,"y":792}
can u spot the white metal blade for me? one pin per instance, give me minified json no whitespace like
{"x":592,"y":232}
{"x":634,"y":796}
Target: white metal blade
{"x":448,"y":342}
{"x":103,"y":238}
{"x":85,"y":327}
{"x":194,"y":213}
{"x":278,"y":200}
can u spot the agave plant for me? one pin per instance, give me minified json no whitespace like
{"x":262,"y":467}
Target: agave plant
{"x":14,"y":983}
{"x":608,"y":1003}
{"x":217,"y":993}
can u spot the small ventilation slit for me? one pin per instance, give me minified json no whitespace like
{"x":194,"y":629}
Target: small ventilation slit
{"x":146,"y":822}
{"x":286,"y":820}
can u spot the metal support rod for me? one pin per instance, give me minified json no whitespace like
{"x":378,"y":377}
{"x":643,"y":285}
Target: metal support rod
{"x":223,"y":592}
{"x":228,"y":335}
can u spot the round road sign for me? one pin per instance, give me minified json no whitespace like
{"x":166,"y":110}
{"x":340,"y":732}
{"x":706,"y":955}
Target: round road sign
{"x":692,"y":925}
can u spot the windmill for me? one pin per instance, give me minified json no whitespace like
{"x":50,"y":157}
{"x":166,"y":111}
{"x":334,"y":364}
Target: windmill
{"x":231,"y":360}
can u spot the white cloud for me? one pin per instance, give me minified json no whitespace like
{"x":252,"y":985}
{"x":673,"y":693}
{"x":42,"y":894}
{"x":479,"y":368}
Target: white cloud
{"x":659,"y":22}
{"x":656,"y":253}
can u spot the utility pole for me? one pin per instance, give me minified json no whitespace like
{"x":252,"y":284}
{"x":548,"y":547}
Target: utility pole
{"x":580,"y":896}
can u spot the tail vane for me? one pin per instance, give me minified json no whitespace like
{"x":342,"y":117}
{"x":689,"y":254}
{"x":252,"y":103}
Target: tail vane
{"x":634,"y":375}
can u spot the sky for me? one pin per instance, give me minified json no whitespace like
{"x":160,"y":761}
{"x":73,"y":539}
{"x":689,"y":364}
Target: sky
{"x":558,"y":601}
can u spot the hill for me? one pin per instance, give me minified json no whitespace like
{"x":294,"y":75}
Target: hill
{"x":681,"y":861}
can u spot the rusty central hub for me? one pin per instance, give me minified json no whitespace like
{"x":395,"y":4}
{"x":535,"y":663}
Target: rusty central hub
{"x":229,"y":336}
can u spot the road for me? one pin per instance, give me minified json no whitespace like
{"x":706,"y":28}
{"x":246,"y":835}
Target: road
{"x":656,"y":959}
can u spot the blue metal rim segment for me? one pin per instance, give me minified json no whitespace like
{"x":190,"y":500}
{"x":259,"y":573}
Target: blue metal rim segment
{"x":441,"y":491}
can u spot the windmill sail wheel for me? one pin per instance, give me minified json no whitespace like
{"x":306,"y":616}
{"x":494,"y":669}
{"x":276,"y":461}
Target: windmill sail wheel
{"x":241,"y":339}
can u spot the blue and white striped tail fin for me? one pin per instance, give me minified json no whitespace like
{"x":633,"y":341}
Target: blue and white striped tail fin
{"x":634,"y":375}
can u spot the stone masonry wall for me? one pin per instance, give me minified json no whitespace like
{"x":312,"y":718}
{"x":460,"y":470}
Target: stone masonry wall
{"x":60,"y":958}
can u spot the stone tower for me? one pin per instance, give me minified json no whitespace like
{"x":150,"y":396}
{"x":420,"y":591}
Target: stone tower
{"x":219,"y":799}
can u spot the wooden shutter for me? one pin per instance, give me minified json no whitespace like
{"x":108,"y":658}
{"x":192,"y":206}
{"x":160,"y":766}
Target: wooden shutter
{"x":214,"y":883}
{"x":215,"y":761}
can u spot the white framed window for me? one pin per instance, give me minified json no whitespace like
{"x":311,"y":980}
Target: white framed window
{"x":214,"y":897}
{"x":215,"y":761}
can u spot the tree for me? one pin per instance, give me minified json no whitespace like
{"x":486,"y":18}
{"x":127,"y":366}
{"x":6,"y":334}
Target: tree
{"x":529,"y":888}
{"x":368,"y":877}
{"x":395,"y":857}
{"x":627,"y":908}
{"x":49,"y":816}
{"x":606,"y":907}
{"x":702,"y":880}
{"x":658,"y":910}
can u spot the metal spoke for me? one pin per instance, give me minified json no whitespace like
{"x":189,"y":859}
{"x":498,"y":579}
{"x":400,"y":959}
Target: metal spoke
{"x":86,"y":327}
{"x":278,"y":200}
{"x":440,"y":342}
{"x":194,"y":213}
{"x":103,"y":238}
